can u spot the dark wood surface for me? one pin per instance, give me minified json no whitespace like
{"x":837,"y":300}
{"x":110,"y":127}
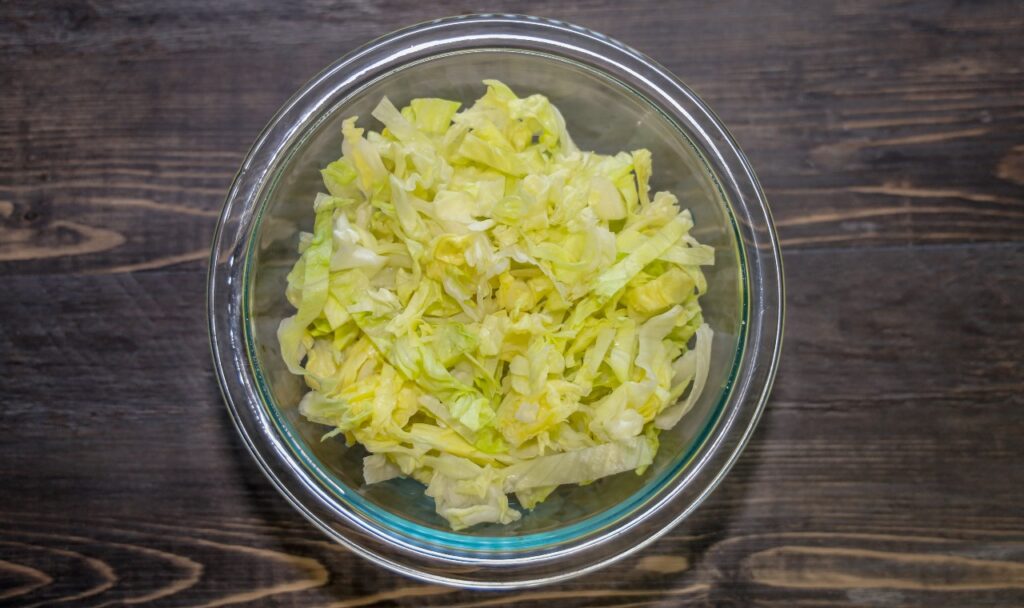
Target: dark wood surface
{"x":888,"y":469}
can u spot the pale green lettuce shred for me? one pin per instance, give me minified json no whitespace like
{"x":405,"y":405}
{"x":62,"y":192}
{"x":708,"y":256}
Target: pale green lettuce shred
{"x":489,"y":310}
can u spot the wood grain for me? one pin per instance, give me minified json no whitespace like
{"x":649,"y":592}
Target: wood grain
{"x":886,"y":470}
{"x":123,"y":123}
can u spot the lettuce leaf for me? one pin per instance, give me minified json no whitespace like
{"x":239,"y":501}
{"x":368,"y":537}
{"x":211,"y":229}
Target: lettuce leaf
{"x":489,"y":310}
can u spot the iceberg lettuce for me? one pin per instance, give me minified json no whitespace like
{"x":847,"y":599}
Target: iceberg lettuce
{"x":492,"y":311}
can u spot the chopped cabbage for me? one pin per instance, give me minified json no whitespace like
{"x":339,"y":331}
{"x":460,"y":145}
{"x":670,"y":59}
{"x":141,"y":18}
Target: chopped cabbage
{"x":491,"y":311}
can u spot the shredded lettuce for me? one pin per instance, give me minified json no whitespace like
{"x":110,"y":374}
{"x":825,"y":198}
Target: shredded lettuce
{"x":491,"y":311}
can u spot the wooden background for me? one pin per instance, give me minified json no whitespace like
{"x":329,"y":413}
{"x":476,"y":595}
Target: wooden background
{"x":889,"y":466}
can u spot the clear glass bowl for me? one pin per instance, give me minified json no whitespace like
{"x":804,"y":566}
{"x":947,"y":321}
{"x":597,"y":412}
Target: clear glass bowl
{"x":613,"y":99}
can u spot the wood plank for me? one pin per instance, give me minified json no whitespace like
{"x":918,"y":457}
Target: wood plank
{"x":886,"y":469}
{"x":873,"y":123}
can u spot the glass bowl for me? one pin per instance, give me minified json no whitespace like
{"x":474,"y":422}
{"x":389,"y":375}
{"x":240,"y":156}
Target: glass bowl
{"x":613,"y":99}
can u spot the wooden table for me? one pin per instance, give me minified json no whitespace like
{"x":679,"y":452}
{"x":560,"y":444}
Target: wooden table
{"x":888,"y":469}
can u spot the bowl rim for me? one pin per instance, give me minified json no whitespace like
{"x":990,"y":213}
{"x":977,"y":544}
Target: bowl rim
{"x":240,"y":379}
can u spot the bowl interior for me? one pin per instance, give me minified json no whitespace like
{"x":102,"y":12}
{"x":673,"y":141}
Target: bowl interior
{"x":602,"y":115}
